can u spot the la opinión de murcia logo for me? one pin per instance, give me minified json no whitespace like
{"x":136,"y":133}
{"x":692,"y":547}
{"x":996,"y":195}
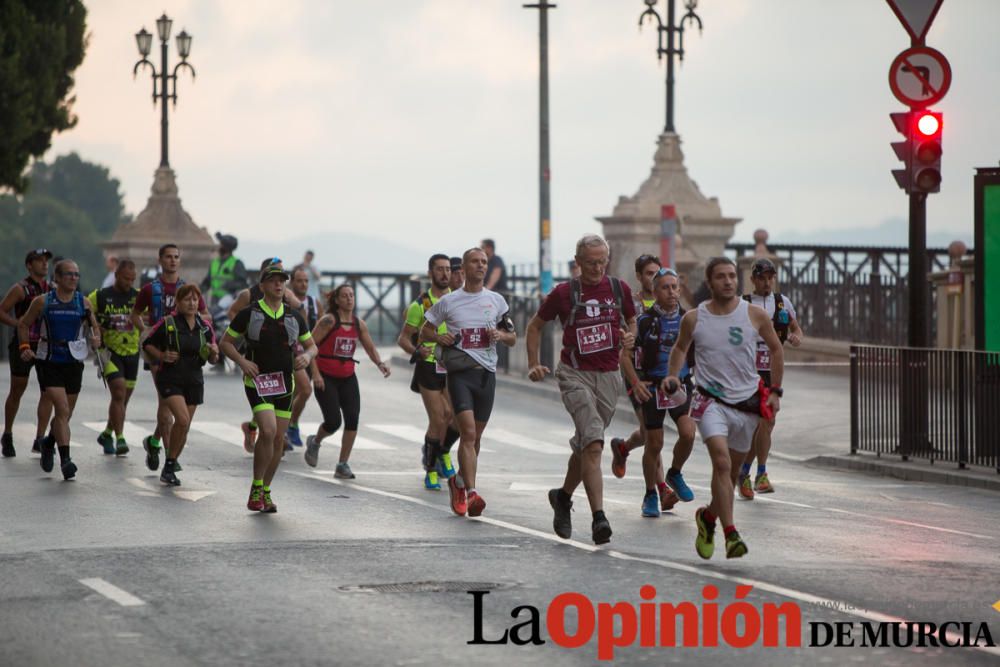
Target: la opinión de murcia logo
{"x":737,"y":624}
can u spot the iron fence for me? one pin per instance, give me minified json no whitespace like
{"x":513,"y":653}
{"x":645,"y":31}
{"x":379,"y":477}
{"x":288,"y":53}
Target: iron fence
{"x":381,"y":299}
{"x":939,"y":405}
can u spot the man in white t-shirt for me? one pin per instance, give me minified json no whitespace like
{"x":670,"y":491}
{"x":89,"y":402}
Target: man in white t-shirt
{"x":477,"y":320}
{"x":786,"y":325}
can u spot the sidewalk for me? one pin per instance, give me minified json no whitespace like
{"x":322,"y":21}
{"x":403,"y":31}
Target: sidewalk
{"x":813,"y":427}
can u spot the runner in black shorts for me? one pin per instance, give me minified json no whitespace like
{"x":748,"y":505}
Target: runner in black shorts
{"x":181,"y":343}
{"x":429,"y":377}
{"x":14,"y":305}
{"x":657,"y":330}
{"x":271,"y":332}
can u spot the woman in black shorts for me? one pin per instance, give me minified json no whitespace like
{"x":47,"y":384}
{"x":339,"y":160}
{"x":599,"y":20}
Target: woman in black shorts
{"x":182,"y":343}
{"x":337,"y":333}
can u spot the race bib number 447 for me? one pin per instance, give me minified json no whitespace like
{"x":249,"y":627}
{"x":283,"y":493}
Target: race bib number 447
{"x":270,"y":384}
{"x":596,"y":338}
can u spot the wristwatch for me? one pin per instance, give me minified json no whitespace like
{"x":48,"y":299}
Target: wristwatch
{"x":778,"y":391}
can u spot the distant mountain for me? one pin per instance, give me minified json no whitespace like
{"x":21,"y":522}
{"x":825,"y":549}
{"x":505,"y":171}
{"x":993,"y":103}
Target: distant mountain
{"x":340,"y":252}
{"x":892,"y":232}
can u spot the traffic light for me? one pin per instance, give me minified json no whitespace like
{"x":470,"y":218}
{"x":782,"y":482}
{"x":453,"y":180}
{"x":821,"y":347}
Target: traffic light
{"x":925,"y":152}
{"x":920,"y":152}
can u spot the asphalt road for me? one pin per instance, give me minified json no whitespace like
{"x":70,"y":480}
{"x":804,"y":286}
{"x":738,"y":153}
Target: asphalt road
{"x":113,"y":568}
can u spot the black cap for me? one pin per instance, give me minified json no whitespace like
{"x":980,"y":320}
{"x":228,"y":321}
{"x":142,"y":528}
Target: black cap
{"x":761,"y":266}
{"x":273,"y":270}
{"x":227,"y":241}
{"x":36,"y":253}
{"x":456,"y":263}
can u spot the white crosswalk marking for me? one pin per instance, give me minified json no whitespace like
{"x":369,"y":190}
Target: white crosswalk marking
{"x":404,"y":431}
{"x":133,"y":432}
{"x":229,"y":433}
{"x":502,"y":437}
{"x":309,"y":428}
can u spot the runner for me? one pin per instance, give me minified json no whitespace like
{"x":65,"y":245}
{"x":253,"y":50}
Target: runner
{"x":429,"y":377}
{"x":155,"y":300}
{"x":457,"y":274}
{"x":253,"y":294}
{"x":597,"y":313}
{"x":181,"y":344}
{"x":18,"y":298}
{"x":657,"y":329}
{"x":271,"y":333}
{"x":647,"y":267}
{"x":729,"y":397}
{"x":313,"y":311}
{"x":337,"y":392}
{"x":60,"y":353}
{"x":480,"y":319}
{"x":786,"y":324}
{"x":119,"y":355}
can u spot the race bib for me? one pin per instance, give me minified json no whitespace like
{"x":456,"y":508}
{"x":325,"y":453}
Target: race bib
{"x":763,"y":356}
{"x":270,"y":384}
{"x":439,"y":367}
{"x":699,"y":403}
{"x":596,"y":338}
{"x":475,"y":338}
{"x":78,"y":349}
{"x":666,"y":401}
{"x":344,"y":346}
{"x":121,"y":322}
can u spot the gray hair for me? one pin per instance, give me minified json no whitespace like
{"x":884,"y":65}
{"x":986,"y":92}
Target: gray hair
{"x":591,"y":241}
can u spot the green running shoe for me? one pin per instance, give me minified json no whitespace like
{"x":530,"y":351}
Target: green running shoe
{"x":735,"y":546}
{"x":121,"y":449}
{"x":704,"y":544}
{"x":107,"y":441}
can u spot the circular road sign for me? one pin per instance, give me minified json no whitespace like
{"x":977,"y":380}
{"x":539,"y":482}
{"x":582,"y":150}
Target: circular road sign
{"x":920,"y":76}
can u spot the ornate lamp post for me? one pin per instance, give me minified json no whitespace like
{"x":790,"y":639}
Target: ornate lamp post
{"x":164,"y":91}
{"x":665,"y":43}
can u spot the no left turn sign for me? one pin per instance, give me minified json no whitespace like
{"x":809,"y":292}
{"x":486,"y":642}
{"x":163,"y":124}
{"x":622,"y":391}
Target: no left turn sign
{"x":920,"y":76}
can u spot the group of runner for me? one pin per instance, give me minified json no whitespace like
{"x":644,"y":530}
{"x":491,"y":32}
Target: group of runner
{"x":717,"y":368}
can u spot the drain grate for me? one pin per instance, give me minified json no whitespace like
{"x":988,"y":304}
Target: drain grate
{"x":427,"y":587}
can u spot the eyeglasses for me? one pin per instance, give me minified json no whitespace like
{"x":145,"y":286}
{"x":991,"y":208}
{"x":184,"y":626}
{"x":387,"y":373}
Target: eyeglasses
{"x":70,"y":274}
{"x":593,"y":262}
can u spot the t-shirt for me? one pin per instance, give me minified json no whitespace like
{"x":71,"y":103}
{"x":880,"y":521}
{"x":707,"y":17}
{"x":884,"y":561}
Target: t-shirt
{"x":187,"y":369}
{"x":271,"y":351}
{"x":415,"y":318}
{"x":470,"y":316}
{"x":492,"y":263}
{"x":113,"y":310}
{"x":144,"y":302}
{"x":592,"y":342}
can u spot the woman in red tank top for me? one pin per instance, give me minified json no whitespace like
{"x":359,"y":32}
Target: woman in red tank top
{"x":338,"y":333}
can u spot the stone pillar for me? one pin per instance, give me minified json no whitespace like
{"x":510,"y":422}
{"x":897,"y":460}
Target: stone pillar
{"x":633,"y":228}
{"x":956,"y":324}
{"x":164,"y":220}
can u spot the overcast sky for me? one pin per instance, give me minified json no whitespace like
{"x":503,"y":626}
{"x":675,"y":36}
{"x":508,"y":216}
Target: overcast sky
{"x":417,"y":120}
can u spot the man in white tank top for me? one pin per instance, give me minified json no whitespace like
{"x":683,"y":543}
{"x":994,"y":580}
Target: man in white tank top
{"x":727,"y":403}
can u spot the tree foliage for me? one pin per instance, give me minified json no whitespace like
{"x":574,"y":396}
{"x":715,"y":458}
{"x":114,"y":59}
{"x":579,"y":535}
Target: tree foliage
{"x":42,"y":42}
{"x":70,"y":207}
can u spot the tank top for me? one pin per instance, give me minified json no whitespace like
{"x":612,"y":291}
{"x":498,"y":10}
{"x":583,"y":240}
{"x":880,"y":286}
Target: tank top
{"x":336,"y":352}
{"x":725,"y":353}
{"x":62,"y":323}
{"x":31,"y":289}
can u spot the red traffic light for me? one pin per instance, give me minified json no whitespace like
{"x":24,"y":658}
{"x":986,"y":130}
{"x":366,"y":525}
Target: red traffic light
{"x":928,"y":123}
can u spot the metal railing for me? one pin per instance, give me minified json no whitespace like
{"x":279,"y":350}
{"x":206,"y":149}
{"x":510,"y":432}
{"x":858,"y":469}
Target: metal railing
{"x":380,"y":299}
{"x":939,"y":405}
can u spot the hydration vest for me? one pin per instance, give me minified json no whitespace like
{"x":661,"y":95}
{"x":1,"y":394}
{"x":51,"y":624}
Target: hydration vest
{"x":257,"y":320}
{"x":156,"y":302}
{"x":781,"y":320}
{"x":576,"y":290}
{"x":62,"y":323}
{"x":173,"y":338}
{"x":32,"y":290}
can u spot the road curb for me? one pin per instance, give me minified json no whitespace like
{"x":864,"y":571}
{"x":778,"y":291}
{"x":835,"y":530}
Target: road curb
{"x":910,"y":471}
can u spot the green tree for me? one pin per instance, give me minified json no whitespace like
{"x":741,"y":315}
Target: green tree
{"x":42,"y":42}
{"x":81,"y":185}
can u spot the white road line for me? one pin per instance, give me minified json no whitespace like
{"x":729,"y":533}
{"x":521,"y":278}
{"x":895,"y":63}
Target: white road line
{"x":824,"y":603}
{"x":522,"y":486}
{"x":360,"y":442}
{"x":502,"y":437}
{"x":133,"y":432}
{"x":403,"y":431}
{"x":228,"y":433}
{"x":112,"y":592}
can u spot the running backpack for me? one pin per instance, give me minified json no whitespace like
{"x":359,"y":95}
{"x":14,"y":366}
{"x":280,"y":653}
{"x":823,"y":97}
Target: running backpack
{"x":576,"y":289}
{"x":781,"y":320}
{"x":257,"y":319}
{"x":173,"y":340}
{"x":156,"y":302}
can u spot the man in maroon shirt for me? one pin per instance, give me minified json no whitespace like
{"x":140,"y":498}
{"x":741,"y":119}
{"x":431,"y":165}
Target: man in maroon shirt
{"x":598,"y":315}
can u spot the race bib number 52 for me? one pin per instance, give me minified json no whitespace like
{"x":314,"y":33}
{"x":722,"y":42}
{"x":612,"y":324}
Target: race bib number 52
{"x":596,"y":338}
{"x":270,"y":384}
{"x":475,"y":338}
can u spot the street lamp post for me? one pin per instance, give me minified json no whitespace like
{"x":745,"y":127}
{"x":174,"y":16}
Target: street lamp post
{"x":164,"y":91}
{"x":665,"y":43}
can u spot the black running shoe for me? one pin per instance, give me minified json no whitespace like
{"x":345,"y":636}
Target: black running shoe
{"x":601,"y":530}
{"x":7,"y":440}
{"x":168,"y":476}
{"x":68,"y":469}
{"x":48,"y":453}
{"x":36,"y":446}
{"x":562,"y":523}
{"x":152,"y":454}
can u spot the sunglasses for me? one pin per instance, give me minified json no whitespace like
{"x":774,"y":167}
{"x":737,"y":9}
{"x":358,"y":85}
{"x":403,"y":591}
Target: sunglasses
{"x":273,"y":261}
{"x":39,"y":251}
{"x":666,"y":272}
